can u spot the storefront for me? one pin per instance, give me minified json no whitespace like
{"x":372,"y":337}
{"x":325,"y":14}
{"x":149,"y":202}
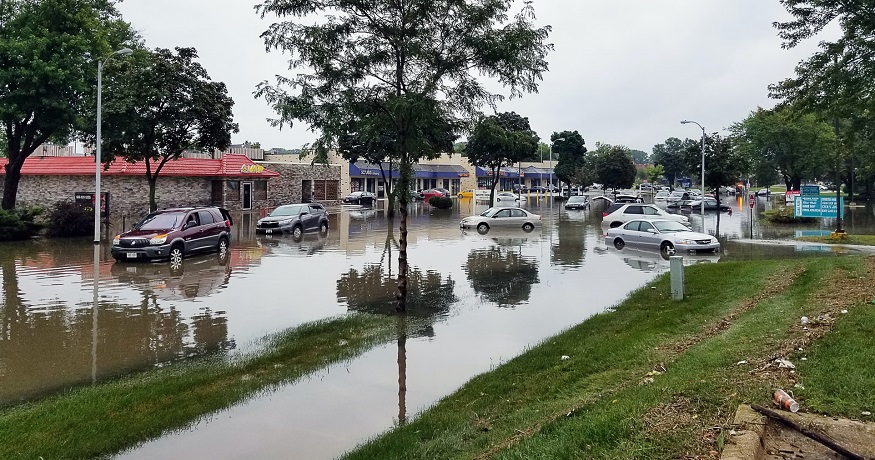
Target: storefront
{"x":369,"y":177}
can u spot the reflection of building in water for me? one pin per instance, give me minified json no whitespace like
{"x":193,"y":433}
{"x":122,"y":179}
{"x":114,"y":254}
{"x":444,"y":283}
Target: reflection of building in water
{"x":47,"y":329}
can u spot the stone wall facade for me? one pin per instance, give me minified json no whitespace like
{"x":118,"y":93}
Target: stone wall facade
{"x":296,"y":179}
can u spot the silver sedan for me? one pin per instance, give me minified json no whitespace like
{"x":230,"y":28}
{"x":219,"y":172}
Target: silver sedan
{"x":666,"y":235}
{"x":506,"y":217}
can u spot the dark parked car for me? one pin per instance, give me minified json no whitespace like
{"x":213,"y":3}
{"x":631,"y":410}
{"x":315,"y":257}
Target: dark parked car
{"x":577,"y":202}
{"x":295,"y":219}
{"x":175,"y":233}
{"x":363,"y":198}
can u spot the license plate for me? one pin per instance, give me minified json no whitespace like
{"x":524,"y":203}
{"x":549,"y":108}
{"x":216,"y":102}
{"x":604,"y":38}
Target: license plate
{"x":132,"y":255}
{"x":268,"y":231}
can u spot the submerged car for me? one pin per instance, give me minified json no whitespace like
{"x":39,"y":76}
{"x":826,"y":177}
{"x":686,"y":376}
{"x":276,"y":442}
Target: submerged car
{"x":710,"y":205}
{"x":577,"y":202}
{"x":173,"y":234}
{"x":667,"y":236}
{"x":362,"y":198}
{"x":619,"y":213}
{"x":295,"y":219}
{"x":501,"y":217}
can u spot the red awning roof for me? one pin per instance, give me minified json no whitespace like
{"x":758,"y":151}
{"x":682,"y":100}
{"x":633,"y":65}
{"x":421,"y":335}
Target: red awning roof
{"x":238,"y":166}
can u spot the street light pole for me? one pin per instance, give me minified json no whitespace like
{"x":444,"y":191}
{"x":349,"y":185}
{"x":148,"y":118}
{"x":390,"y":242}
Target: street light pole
{"x":97,"y":202}
{"x":683,"y":122}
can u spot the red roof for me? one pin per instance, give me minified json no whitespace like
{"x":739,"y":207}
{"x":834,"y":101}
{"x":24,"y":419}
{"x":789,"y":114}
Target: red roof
{"x":228,"y":166}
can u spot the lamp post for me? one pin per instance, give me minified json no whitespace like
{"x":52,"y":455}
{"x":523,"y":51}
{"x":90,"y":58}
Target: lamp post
{"x":551,"y":164}
{"x":683,"y":122}
{"x":97,"y":202}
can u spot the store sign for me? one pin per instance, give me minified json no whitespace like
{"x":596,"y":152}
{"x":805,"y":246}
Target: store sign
{"x":790,"y":197}
{"x":86,"y":201}
{"x":819,"y":206}
{"x":252,"y":169}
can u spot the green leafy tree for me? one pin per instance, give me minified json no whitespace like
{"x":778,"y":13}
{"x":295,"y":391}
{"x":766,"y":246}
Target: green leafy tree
{"x":670,"y":156}
{"x":48,"y":67}
{"x":639,"y":157}
{"x":654,"y":173}
{"x":614,"y":166}
{"x":724,"y":165}
{"x":371,"y":141}
{"x":414,"y":63}
{"x":158,"y":105}
{"x":780,"y":142}
{"x":572,"y":166}
{"x":500,"y":140}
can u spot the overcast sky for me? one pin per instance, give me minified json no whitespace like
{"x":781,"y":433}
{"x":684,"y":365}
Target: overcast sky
{"x":623,"y":71}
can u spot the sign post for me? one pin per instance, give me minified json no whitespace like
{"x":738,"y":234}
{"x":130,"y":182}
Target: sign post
{"x":751,"y":202}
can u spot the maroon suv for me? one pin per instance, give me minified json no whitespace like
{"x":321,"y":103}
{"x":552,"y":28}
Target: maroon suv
{"x":175,"y":233}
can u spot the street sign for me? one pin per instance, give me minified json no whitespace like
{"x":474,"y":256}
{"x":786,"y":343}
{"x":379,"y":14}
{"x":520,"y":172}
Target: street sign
{"x":751,"y":201}
{"x":810,"y":190}
{"x":790,"y":197}
{"x":818,"y":206}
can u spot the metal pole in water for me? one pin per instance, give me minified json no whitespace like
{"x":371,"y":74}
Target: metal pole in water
{"x":677,"y":277}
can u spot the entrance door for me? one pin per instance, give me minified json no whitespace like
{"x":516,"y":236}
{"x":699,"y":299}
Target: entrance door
{"x":247,"y":195}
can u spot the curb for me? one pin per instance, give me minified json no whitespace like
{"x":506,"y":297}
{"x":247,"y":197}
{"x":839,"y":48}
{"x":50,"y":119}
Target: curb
{"x":746,"y":443}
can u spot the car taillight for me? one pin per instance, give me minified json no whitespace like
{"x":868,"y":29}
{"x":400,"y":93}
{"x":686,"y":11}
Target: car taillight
{"x":228,"y":223}
{"x":605,"y":214}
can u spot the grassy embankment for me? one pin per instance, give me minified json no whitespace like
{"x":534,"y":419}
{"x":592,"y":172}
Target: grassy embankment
{"x":107,"y":418}
{"x":655,"y":378}
{"x":863,"y":240}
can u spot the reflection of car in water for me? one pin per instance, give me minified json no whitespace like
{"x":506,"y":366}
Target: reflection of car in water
{"x":195,"y":277}
{"x":307,"y":245}
{"x":648,"y":261}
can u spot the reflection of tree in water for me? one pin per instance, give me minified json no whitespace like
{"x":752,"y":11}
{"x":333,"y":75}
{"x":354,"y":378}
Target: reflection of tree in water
{"x":569,"y":249}
{"x":44,"y":350}
{"x":502,"y":276}
{"x":373,"y":291}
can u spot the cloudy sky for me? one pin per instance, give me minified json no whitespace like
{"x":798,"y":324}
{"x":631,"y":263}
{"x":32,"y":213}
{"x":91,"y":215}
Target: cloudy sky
{"x":623,"y":71}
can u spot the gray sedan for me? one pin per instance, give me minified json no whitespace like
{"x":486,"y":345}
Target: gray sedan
{"x":666,"y":235}
{"x":502,"y":217}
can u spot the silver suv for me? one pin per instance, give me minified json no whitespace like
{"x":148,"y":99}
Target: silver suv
{"x":619,"y":213}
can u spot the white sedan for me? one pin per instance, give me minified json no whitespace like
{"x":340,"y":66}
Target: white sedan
{"x":501,"y":217}
{"x":668,"y":236}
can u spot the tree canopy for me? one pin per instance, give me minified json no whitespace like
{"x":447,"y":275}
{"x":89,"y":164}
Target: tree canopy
{"x":48,"y":67}
{"x":670,"y":155}
{"x":160,"y":103}
{"x":572,"y":167}
{"x":501,"y":140}
{"x":614,"y":167}
{"x":414,"y":66}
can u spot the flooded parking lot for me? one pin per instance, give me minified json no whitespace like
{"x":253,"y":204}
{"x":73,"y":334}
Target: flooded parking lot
{"x":493,"y":296}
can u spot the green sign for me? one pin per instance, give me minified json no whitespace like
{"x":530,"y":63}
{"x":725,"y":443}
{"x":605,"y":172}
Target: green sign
{"x":817,"y":206}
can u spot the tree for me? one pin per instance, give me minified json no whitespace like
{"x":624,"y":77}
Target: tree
{"x":639,"y":157}
{"x":654,"y":173}
{"x":572,"y":166}
{"x":48,"y":52}
{"x":670,"y":156}
{"x":414,"y":63}
{"x":500,"y":140}
{"x":781,"y":142}
{"x":161,"y":104}
{"x":723,"y":163}
{"x":613,"y":166}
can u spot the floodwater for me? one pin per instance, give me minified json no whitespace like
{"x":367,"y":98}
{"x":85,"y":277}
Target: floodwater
{"x":71,"y":316}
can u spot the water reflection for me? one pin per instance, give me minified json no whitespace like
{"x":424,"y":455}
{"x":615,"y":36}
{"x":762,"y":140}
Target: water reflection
{"x":653,"y":261}
{"x":501,"y":274}
{"x":568,"y":250}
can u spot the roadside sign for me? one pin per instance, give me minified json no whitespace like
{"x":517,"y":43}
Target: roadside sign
{"x":810,"y":190}
{"x":751,"y":201}
{"x":790,"y":197}
{"x":818,"y":206}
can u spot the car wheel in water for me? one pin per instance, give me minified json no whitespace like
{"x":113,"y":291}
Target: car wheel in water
{"x":323,"y":228}
{"x":527,"y":227}
{"x":482,"y":228}
{"x":619,"y":243}
{"x":297,"y":232}
{"x":222,"y":247}
{"x":667,"y":249}
{"x":176,"y":257}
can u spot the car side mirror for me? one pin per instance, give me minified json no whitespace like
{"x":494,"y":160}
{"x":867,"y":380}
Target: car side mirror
{"x":304,"y":213}
{"x":651,"y":230}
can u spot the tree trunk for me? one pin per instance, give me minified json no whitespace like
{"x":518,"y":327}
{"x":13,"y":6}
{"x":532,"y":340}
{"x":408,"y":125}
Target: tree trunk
{"x":153,"y":205}
{"x":10,"y":185}
{"x":401,"y":294}
{"x":492,"y":189}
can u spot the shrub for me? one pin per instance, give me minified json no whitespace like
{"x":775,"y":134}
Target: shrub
{"x":69,"y":219}
{"x":441,"y":202}
{"x":19,"y":224}
{"x":785,"y":215}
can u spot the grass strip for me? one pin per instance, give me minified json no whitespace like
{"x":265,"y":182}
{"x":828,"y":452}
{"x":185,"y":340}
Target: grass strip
{"x":110,"y":417}
{"x":606,"y":401}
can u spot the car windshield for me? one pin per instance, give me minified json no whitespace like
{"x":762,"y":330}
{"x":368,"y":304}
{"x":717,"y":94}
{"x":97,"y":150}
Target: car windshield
{"x":489,"y":212}
{"x":669,"y":226}
{"x":161,"y":221}
{"x":292,"y":210}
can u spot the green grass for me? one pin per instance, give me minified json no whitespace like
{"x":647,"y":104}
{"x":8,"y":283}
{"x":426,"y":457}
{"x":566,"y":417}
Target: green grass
{"x":593,"y":404}
{"x":107,"y":418}
{"x":864,"y":240}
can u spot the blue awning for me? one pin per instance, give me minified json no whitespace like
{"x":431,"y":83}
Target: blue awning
{"x":428,"y":171}
{"x":365,"y":169}
{"x":507,"y":172}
